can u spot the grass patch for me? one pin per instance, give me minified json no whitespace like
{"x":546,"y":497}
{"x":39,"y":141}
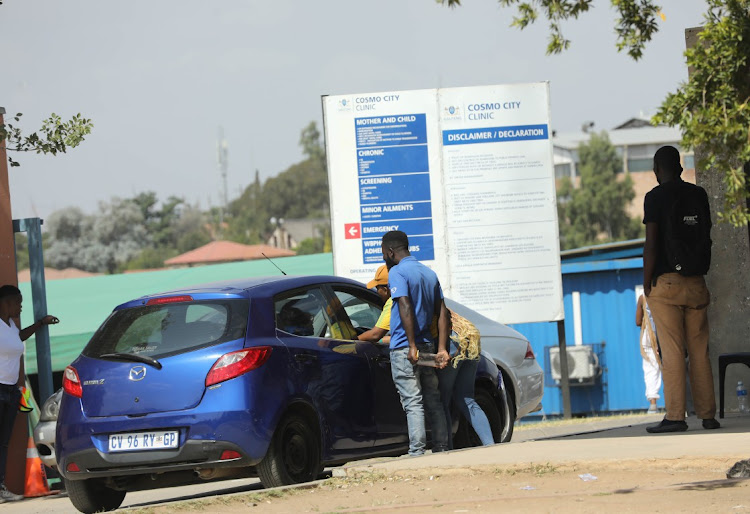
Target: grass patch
{"x":530,"y":469}
{"x":559,"y":422}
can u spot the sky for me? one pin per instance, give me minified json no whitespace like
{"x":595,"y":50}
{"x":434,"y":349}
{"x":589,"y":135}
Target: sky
{"x":159,"y":78}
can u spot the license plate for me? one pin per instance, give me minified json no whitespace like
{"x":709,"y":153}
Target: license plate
{"x":143,"y":441}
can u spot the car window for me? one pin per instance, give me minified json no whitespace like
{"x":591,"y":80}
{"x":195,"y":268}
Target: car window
{"x":158,"y":330}
{"x":360,"y":307}
{"x":302,"y":313}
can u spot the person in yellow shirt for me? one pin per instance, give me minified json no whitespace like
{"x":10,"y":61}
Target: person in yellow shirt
{"x":379,"y":333}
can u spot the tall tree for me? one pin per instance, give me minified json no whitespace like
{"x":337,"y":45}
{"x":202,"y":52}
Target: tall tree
{"x":596,"y":211}
{"x":300,"y":191}
{"x":131,"y":233}
{"x":99,"y":243}
{"x":712,"y":109}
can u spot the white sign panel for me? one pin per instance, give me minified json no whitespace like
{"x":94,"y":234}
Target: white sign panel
{"x":468,"y":174}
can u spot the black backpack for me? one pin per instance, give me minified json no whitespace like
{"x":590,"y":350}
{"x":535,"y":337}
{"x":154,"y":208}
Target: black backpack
{"x":687,"y":240}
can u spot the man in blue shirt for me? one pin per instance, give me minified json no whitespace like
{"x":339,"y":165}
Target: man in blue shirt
{"x":417,"y":300}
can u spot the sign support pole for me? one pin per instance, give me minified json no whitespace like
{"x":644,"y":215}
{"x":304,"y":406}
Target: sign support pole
{"x":564,"y":379}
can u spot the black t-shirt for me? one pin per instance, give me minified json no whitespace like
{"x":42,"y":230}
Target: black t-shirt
{"x":656,"y":208}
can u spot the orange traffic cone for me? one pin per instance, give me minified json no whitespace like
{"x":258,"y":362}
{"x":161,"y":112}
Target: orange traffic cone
{"x":36,"y":478}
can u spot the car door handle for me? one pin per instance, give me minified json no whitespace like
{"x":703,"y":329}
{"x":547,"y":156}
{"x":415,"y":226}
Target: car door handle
{"x":381,"y":358}
{"x":305,"y":357}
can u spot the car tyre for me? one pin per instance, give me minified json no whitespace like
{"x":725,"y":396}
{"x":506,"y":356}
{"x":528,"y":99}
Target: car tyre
{"x":500,"y":423}
{"x":508,"y":412}
{"x":293,"y":456}
{"x":93,"y":496}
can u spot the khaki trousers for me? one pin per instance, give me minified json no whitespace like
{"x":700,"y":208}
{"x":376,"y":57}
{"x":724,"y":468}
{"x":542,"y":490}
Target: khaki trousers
{"x":678,"y":305}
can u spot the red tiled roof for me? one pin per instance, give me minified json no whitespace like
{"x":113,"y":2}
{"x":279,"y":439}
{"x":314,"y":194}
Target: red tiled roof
{"x":55,"y":274}
{"x":226,"y":251}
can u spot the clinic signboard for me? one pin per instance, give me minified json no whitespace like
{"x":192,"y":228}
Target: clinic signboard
{"x":468,"y":174}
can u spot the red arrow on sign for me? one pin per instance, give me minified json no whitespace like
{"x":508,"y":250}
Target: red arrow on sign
{"x":351,"y":230}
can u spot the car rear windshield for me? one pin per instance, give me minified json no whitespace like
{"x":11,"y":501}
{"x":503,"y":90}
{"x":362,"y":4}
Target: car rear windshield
{"x":167,"y":329}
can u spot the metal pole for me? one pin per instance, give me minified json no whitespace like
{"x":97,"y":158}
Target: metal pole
{"x":564,"y":379}
{"x":33,"y":229}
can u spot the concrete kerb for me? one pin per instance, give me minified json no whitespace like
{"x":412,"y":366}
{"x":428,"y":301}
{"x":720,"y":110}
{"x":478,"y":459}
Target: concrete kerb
{"x":602,"y":441}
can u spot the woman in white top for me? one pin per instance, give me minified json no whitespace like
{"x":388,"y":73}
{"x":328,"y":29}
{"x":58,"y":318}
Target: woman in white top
{"x":11,"y":351}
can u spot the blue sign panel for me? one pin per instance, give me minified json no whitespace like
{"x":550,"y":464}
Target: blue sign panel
{"x":377,"y":230}
{"x":393,"y":167}
{"x":394,"y":188}
{"x":405,"y":129}
{"x":495,"y":134}
{"x":396,"y":211}
{"x":421,"y":247}
{"x":400,"y":159}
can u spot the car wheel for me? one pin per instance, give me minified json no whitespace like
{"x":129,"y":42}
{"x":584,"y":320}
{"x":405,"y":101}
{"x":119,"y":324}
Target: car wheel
{"x":500,"y":423}
{"x":293,"y":455}
{"x":508,"y":413}
{"x":93,"y":496}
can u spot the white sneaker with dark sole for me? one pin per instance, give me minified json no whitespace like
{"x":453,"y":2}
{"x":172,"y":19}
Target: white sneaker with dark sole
{"x":7,"y":496}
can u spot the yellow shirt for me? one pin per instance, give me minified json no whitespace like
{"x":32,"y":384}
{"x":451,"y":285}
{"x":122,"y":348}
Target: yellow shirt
{"x":384,"y":321}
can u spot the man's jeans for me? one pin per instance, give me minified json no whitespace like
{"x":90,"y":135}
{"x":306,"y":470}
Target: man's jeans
{"x":415,"y":383}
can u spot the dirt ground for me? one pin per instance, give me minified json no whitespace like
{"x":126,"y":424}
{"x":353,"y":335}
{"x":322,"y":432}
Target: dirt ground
{"x":684,"y":485}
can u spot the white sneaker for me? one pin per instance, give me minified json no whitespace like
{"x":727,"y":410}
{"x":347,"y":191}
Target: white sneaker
{"x":652,"y":410}
{"x":7,"y":496}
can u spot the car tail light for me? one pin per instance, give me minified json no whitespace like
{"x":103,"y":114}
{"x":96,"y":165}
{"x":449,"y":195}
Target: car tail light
{"x":229,"y":455}
{"x":71,"y":382}
{"x":529,"y":352}
{"x":170,"y":299}
{"x":234,"y":364}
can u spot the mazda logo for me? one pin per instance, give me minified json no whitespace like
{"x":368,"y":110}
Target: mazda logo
{"x":137,"y":373}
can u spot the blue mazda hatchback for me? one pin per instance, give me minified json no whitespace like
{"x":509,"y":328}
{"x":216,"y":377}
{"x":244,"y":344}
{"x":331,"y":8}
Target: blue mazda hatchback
{"x":258,"y":377}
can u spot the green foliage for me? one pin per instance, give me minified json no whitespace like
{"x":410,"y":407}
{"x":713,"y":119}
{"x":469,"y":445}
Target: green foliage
{"x":125,"y":234}
{"x":595,"y":212}
{"x":310,"y":142}
{"x":56,"y":136}
{"x":300,"y":191}
{"x":150,"y":258}
{"x":635,"y":27}
{"x":22,"y":251}
{"x":713,"y":108}
{"x":310,"y":246}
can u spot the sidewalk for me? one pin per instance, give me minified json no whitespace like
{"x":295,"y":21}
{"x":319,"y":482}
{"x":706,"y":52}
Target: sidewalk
{"x":609,"y":439}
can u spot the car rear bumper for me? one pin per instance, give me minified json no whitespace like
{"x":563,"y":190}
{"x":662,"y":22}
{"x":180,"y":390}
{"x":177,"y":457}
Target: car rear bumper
{"x":529,"y":378}
{"x":44,"y":439}
{"x":192,"y":455}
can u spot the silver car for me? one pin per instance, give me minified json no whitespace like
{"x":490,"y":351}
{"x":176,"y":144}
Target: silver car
{"x":44,"y":432}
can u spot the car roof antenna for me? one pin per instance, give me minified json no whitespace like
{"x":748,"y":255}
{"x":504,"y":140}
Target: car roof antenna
{"x":269,"y":260}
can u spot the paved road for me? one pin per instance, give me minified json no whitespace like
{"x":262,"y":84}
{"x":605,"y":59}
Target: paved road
{"x":611,"y":439}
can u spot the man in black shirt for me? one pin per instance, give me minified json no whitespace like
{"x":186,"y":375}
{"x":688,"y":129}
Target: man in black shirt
{"x":678,"y":301}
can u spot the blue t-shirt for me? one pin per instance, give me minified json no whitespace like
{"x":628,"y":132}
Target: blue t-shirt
{"x":413,"y":279}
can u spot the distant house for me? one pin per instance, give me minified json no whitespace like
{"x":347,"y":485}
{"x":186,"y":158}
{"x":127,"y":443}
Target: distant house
{"x":290,"y":233}
{"x":217,"y":252}
{"x":636,"y":141}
